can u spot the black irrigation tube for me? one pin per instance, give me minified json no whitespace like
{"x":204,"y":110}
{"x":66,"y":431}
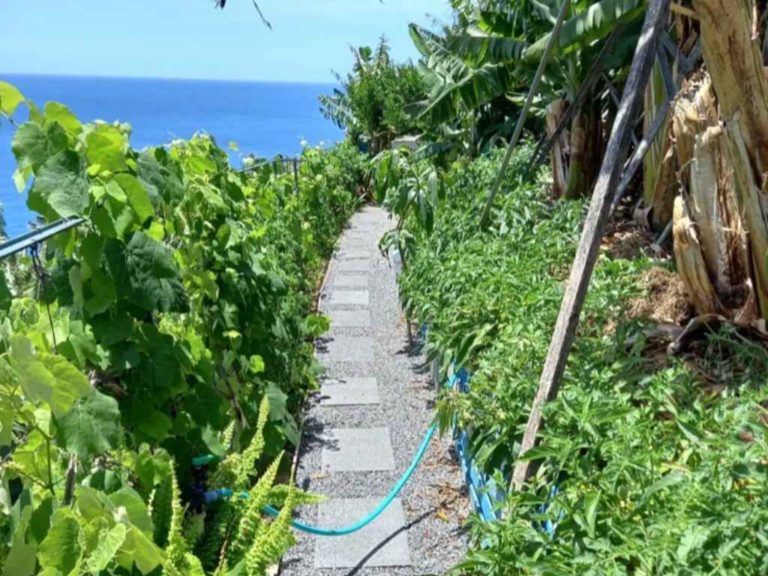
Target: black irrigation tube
{"x":35,"y":237}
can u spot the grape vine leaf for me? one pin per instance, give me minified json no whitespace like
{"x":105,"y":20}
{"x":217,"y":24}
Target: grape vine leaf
{"x":69,"y":383}
{"x":33,"y":145}
{"x":106,"y":147}
{"x":60,"y":186}
{"x":91,"y":428}
{"x":10,"y":98}
{"x":137,"y":196}
{"x":111,"y":329}
{"x":62,"y":115}
{"x":109,"y":542}
{"x":21,"y":560}
{"x":160,"y":176}
{"x":40,"y":519}
{"x":61,"y":551}
{"x":153,"y":276}
{"x":36,"y":381}
{"x":45,"y":377}
{"x":103,"y":293}
{"x":140,"y":551}
{"x":135,"y":508}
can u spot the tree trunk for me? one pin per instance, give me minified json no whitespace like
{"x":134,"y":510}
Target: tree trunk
{"x":659,"y":167}
{"x":735,"y":61}
{"x":559,"y":151}
{"x":720,"y":138}
{"x":586,"y":150}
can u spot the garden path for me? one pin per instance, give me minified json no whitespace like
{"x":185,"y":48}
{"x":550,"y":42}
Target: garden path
{"x":365,"y":425}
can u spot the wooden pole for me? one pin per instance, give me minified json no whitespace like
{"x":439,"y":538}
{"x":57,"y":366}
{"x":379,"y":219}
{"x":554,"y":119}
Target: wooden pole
{"x":524,"y":113}
{"x":594,"y":228}
{"x":658,"y":123}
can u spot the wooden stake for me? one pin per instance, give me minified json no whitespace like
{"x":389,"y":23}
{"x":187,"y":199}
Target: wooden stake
{"x":594,"y":228}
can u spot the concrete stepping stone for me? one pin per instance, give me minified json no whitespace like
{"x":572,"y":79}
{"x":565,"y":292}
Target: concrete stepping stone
{"x":382,"y":543}
{"x":350,"y":318}
{"x":351,"y":297}
{"x":350,"y":281}
{"x":353,"y":265}
{"x":357,"y":450}
{"x":349,"y":392}
{"x":368,"y":238}
{"x":356,"y":253}
{"x":346,"y":349}
{"x":360,"y":244}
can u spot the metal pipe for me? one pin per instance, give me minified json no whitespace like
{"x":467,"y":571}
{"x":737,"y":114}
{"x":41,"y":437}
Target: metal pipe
{"x":21,"y":243}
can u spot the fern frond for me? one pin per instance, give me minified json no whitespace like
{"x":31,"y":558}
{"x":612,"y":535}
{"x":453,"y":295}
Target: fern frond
{"x":224,"y":475}
{"x":177,"y":545}
{"x":219,"y":527}
{"x":194,"y":528}
{"x":280,"y":492}
{"x":161,"y":509}
{"x":253,"y":452}
{"x":228,"y":435}
{"x":258,"y":497}
{"x":270,"y":544}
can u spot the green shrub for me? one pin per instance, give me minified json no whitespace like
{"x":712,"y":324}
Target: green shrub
{"x":176,"y":321}
{"x":661,"y":465}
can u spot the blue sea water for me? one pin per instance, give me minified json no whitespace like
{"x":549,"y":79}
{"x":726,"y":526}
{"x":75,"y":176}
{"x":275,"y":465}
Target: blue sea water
{"x":262,"y":118}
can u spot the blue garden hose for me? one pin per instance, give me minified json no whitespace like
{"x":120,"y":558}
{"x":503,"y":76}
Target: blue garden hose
{"x":214,"y":495}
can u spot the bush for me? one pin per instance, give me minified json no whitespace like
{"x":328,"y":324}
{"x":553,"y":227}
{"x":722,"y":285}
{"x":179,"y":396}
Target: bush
{"x":659,"y":464}
{"x":175,"y":322}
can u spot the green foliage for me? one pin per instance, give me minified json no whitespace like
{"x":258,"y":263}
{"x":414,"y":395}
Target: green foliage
{"x":660,"y":464}
{"x":409,"y":189}
{"x":241,"y":537}
{"x":174,"y":322}
{"x":372,"y":104}
{"x":478,"y":69}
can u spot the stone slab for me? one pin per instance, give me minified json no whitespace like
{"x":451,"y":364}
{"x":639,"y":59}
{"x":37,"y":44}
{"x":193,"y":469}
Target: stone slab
{"x":357,"y":450}
{"x":382,"y":543}
{"x":350,"y":392}
{"x":350,"y":281}
{"x":360,"y":244}
{"x":356,"y":240}
{"x":356,"y":253}
{"x":351,"y":381}
{"x":346,"y":349}
{"x":352,"y":265}
{"x":350,"y":318}
{"x":351,"y":297}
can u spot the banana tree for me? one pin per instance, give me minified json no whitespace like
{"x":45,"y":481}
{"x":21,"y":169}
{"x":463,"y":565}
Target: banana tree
{"x":491,"y":53}
{"x":718,"y":143}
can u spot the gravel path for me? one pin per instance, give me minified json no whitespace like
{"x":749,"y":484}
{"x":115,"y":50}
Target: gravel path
{"x":364,"y":427}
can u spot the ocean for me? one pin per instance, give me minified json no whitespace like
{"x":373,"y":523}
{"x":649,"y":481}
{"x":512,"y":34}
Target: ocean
{"x":261,"y":118}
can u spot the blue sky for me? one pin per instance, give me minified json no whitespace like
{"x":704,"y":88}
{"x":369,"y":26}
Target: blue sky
{"x":189,"y":39}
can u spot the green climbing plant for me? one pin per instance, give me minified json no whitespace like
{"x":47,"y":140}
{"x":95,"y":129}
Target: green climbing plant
{"x":176,"y":321}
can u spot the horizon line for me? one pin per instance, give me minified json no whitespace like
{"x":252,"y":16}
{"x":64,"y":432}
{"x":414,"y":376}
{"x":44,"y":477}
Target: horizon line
{"x":167,"y":78}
